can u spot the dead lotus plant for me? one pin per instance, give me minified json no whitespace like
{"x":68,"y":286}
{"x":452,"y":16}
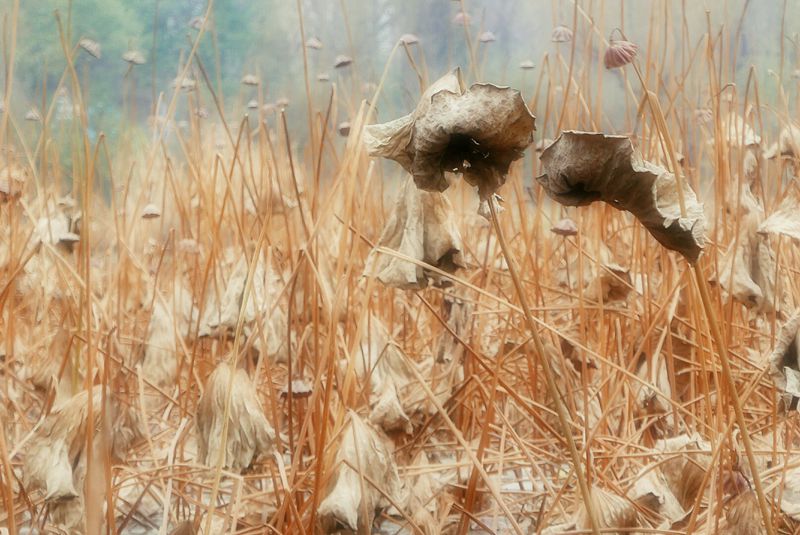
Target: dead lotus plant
{"x":613,"y":512}
{"x":264,"y":318}
{"x":790,"y":500}
{"x":249,"y":433}
{"x":477,"y":132}
{"x":602,"y":276}
{"x":12,"y":182}
{"x":685,"y":465}
{"x":655,"y":499}
{"x":788,"y":144}
{"x":170,"y":321}
{"x":396,"y":396}
{"x":784,"y":364}
{"x":56,"y":460}
{"x":747,"y":268}
{"x":427,"y":493}
{"x":785,"y":220}
{"x":583,"y":167}
{"x":363,"y":461}
{"x":743,"y":516}
{"x":420,"y":226}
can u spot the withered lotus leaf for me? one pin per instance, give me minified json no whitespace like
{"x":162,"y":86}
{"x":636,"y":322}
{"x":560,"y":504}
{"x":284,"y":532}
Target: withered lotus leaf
{"x":685,"y":461}
{"x":477,"y":132}
{"x":170,"y":321}
{"x":396,"y":400}
{"x":249,"y":433}
{"x":56,"y":459}
{"x":788,"y":143}
{"x":583,"y":167}
{"x":613,"y":512}
{"x":784,"y":220}
{"x":747,"y":271}
{"x":651,"y":492}
{"x":350,"y":502}
{"x":420,"y":226}
{"x":743,"y":516}
{"x":784,"y":364}
{"x":790,"y":500}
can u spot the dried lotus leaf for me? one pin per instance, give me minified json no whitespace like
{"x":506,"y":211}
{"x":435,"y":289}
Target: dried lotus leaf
{"x":565,"y":227}
{"x":56,"y":458}
{"x":485,"y":211}
{"x":170,"y":321}
{"x":314,"y":43}
{"x":611,"y":512}
{"x":134,"y":57}
{"x":684,"y":467}
{"x":249,"y":433}
{"x":751,"y":165}
{"x":422,"y":498}
{"x":583,"y":167}
{"x":784,"y":220}
{"x":738,"y":132}
{"x":12,"y":182}
{"x":393,"y":139}
{"x":652,"y":394}
{"x":561,"y":34}
{"x":651,"y":493}
{"x":396,"y":397}
{"x":735,"y":275}
{"x":569,"y":380}
{"x":420,"y":226}
{"x":349,"y":497}
{"x":389,"y":140}
{"x":90,"y":46}
{"x":619,"y":53}
{"x":602,"y":277}
{"x":788,"y":143}
{"x":747,"y":268}
{"x":264,"y":318}
{"x":477,"y":132}
{"x":743,"y":516}
{"x":342,"y":61}
{"x":784,"y":363}
{"x":790,"y":499}
{"x":458,"y":314}
{"x":487,"y":37}
{"x":409,"y":39}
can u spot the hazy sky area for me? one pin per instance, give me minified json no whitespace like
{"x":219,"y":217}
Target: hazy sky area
{"x":263,"y":38}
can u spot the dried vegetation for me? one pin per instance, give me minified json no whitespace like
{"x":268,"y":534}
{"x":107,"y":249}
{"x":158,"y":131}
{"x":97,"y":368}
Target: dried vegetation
{"x":239,"y":338}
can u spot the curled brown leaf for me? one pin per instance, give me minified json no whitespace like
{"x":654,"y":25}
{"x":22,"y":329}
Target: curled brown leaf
{"x":583,"y":167}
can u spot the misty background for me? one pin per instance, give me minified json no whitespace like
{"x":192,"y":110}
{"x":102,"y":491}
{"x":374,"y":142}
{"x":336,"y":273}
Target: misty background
{"x":262,"y":37}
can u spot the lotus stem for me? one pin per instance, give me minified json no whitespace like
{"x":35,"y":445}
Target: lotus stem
{"x":708,"y":309}
{"x":561,"y":409}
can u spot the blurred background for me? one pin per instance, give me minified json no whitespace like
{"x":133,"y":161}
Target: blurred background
{"x":263,"y":38}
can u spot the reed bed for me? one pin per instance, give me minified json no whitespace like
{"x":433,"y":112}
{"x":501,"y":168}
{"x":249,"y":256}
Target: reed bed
{"x":247,"y":325}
